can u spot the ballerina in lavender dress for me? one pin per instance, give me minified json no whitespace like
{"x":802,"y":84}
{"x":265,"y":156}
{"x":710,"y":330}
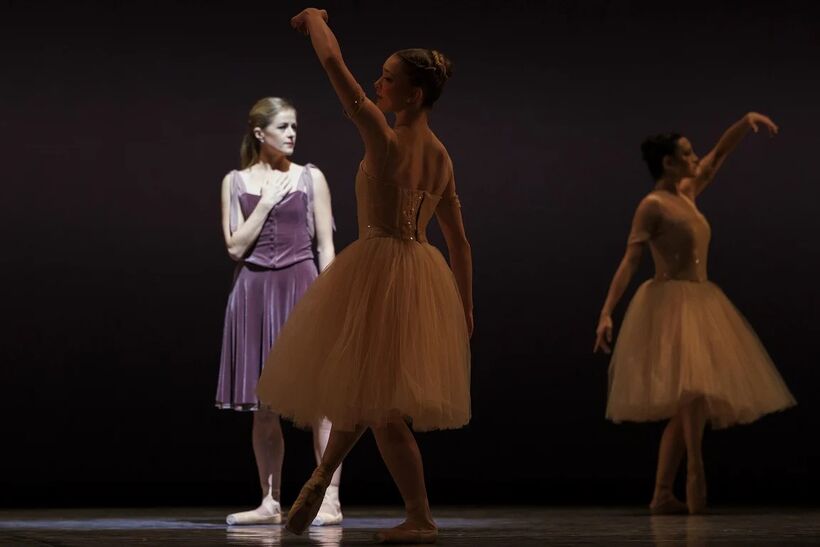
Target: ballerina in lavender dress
{"x":272,"y":211}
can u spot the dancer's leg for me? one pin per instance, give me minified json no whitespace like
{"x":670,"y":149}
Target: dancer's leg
{"x":401,"y":455}
{"x":269,"y":450}
{"x":331,"y":510}
{"x":321,"y":438}
{"x":693,"y":422}
{"x":307,"y":504}
{"x":670,"y":454}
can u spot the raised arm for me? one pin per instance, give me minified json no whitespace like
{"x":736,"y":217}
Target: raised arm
{"x":712,"y":161}
{"x":448,"y":214}
{"x":643,"y":226}
{"x":369,"y":120}
{"x":323,"y":219}
{"x":240,"y":237}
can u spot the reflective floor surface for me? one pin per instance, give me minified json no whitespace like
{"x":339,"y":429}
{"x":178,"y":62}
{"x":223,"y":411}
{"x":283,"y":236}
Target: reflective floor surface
{"x":461,"y":526}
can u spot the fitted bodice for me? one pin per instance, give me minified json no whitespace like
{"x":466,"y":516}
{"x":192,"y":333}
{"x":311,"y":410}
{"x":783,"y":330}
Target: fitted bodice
{"x":678,"y":236}
{"x":389,"y":210}
{"x":285,"y":237}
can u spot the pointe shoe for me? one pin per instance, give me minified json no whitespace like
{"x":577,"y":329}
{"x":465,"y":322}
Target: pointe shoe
{"x":406,"y":536}
{"x":307,"y":504}
{"x":269,"y":512}
{"x":670,"y":506}
{"x":696,"y":493}
{"x":330,"y":512}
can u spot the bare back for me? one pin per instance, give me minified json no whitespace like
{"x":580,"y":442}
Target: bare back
{"x":417,"y":160}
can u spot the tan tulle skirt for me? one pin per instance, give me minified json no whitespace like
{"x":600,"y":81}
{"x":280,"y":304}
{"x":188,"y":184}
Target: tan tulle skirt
{"x":682,"y":340}
{"x":379,"y":336}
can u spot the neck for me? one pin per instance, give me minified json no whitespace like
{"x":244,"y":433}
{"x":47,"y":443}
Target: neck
{"x":415,"y":118}
{"x":668,"y":184}
{"x":269,"y":160}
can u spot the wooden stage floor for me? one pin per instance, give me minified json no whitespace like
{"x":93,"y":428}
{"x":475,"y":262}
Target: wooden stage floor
{"x":460,"y":526}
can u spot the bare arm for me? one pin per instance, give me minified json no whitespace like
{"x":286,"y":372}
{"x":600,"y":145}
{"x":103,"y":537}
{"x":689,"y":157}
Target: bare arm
{"x":247,"y":230}
{"x":369,"y":120}
{"x":710,"y":163}
{"x":643,"y":225}
{"x":323,"y":219}
{"x":620,"y":281}
{"x":448,"y":214}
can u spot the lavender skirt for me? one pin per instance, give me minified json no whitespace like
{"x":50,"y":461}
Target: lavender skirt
{"x":259,"y":304}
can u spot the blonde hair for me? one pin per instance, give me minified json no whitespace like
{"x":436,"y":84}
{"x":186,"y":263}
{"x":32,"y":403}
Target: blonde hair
{"x":261,"y":115}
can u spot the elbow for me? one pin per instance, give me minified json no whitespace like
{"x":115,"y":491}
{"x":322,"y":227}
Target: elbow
{"x":630,"y":264}
{"x":235,"y":253}
{"x":330,"y":60}
{"x":461,"y":247}
{"x":326,"y":250}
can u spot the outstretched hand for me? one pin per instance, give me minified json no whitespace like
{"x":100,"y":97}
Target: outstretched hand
{"x":756,"y":119}
{"x":603,"y":335}
{"x":300,"y":21}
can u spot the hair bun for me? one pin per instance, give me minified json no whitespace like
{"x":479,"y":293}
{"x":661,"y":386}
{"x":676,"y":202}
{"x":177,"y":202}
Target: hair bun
{"x":442,"y":63}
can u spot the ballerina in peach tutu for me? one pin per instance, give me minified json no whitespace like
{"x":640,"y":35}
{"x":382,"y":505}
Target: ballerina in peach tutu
{"x":684,"y":353}
{"x":381,"y":338}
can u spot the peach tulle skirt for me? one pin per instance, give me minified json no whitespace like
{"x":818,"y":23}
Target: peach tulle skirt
{"x":379,"y":336}
{"x":682,"y":340}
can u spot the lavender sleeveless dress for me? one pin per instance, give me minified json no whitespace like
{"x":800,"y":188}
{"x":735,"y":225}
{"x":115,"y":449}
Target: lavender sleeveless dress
{"x":268,"y":282}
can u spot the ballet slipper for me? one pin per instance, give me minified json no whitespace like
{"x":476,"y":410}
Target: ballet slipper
{"x":269,"y":512}
{"x":669,"y":506}
{"x":406,"y":536}
{"x":307,"y":504}
{"x":330,"y":512}
{"x":696,"y":493}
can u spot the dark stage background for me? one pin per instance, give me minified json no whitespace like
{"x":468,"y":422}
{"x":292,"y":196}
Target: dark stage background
{"x":119,"y":120}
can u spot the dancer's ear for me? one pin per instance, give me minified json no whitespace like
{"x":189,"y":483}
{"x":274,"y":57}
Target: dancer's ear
{"x":416,"y":96}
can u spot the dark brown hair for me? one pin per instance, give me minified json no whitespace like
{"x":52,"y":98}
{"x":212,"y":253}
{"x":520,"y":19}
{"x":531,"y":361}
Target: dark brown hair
{"x":427,"y":69}
{"x":657,"y":147}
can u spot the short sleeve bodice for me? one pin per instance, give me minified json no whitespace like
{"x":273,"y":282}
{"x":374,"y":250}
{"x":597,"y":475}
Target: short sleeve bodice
{"x":678,"y":236}
{"x":285,"y":238}
{"x":386,"y":209}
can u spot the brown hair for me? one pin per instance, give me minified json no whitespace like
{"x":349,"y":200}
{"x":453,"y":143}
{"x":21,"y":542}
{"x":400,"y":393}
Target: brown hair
{"x":261,"y":115}
{"x":657,"y":147}
{"x":428,"y":69}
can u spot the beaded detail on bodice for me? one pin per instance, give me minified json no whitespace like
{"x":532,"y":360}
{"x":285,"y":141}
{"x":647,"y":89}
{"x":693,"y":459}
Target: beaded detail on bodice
{"x":678,"y":238}
{"x":389,"y":210}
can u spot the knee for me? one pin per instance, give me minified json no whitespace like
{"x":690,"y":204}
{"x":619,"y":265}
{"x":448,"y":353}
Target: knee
{"x":322,"y":427}
{"x":266,"y":421}
{"x":392,"y":433}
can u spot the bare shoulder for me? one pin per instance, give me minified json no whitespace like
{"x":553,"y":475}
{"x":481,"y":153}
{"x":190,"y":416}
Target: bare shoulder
{"x":651,"y":203}
{"x":316,"y":174}
{"x":689,"y":188}
{"x":226,"y":180}
{"x":437,"y":151}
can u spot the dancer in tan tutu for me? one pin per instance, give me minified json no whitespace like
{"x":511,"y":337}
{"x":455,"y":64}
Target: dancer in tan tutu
{"x":381,"y":338}
{"x":684,"y":353}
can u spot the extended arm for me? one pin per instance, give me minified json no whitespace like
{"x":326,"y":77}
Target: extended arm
{"x":710,"y":163}
{"x":369,"y":120}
